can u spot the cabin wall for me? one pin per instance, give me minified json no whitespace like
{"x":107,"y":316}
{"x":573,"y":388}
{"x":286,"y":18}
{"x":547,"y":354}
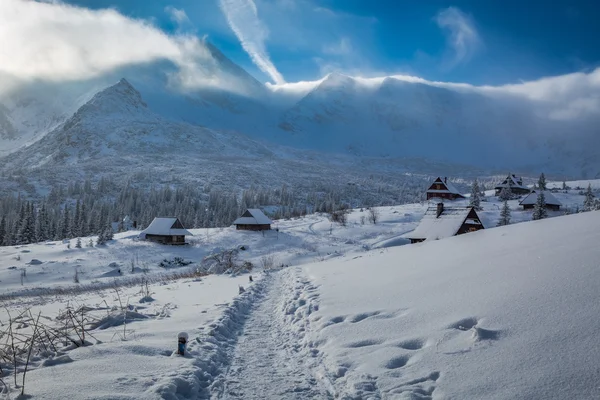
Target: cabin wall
{"x":467,"y":228}
{"x":166,"y":239}
{"x":449,"y":196}
{"x":255,"y":227}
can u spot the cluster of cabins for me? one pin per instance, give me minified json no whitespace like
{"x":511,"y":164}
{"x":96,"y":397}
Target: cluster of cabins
{"x":441,"y":221}
{"x":169,"y":230}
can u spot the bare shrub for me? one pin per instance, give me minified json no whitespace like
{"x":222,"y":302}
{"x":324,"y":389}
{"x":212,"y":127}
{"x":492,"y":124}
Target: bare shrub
{"x":339,"y":217}
{"x":373,"y":215}
{"x":267,"y":261}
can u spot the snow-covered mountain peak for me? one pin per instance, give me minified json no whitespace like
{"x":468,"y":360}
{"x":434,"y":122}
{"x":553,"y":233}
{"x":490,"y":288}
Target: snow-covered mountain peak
{"x":121,"y":97}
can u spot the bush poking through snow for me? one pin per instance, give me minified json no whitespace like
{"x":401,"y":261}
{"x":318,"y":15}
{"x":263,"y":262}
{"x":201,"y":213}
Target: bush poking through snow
{"x":27,"y":334}
{"x":176,"y":262}
{"x":225,"y":262}
{"x":267,"y":261}
{"x":373,"y":215}
{"x":339,"y":217}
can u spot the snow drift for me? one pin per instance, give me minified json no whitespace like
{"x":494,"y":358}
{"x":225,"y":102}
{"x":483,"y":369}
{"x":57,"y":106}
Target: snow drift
{"x":502,"y":313}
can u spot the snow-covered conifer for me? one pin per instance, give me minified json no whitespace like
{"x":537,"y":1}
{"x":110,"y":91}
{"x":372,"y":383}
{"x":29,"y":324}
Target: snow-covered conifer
{"x":475,"y":200}
{"x":504,"y":214}
{"x":588,"y":203}
{"x":539,"y":210}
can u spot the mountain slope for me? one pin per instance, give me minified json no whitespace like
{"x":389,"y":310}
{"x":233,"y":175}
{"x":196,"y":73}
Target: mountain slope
{"x":390,"y":117}
{"x":398,"y":118}
{"x":116,"y":135}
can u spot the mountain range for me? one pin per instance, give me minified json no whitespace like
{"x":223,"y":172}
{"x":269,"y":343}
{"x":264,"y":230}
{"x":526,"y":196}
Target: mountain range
{"x":340,"y":122}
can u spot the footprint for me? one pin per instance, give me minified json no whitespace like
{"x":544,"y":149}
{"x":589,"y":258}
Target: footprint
{"x":485,"y":334}
{"x":364,"y":343}
{"x":464,"y":324}
{"x":363,"y":316}
{"x":434,"y":376}
{"x":333,"y":321}
{"x":397,"y":362}
{"x":412,"y":344}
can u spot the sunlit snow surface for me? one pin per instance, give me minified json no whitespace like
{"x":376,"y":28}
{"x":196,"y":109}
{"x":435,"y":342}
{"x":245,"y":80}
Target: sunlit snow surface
{"x":502,"y":313}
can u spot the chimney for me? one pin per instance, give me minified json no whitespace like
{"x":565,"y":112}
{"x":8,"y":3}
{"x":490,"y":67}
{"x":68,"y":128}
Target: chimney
{"x":445,"y":179}
{"x":440,"y":209}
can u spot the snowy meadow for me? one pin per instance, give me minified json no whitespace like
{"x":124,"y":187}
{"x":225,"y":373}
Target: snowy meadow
{"x":333,"y":311}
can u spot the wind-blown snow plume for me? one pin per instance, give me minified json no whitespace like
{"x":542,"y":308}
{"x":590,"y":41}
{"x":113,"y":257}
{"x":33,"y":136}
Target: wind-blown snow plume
{"x":54,"y":41}
{"x":242,"y":17}
{"x":462,"y":34}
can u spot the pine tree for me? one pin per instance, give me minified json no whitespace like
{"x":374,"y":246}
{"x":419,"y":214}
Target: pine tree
{"x":76,"y":228}
{"x":588,"y":203}
{"x":505,"y":194}
{"x":542,"y":182}
{"x":65,"y":229}
{"x":504,"y":214}
{"x":2,"y":230}
{"x":475,"y":200}
{"x":539,"y":210}
{"x":101,"y":239}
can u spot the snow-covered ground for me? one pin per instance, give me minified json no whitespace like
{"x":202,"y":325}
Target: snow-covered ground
{"x":354,"y":316}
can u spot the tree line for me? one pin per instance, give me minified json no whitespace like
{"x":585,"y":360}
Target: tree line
{"x":82,"y":209}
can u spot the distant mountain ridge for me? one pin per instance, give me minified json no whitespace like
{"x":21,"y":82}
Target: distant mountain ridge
{"x":389,"y":118}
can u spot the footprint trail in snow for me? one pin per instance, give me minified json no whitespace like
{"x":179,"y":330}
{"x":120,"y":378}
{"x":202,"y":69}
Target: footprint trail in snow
{"x":269,"y":361}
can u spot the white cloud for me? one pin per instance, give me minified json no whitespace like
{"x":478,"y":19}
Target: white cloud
{"x":564,"y":97}
{"x":242,"y":17}
{"x":53,"y":41}
{"x":342,"y":47}
{"x":462,"y":35}
{"x":180,"y":18}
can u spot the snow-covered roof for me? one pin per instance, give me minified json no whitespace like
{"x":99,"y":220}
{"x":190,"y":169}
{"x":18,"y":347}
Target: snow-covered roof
{"x":446,"y":225}
{"x":165,"y":227}
{"x":253,"y":216}
{"x":531,"y":199}
{"x":451,"y":188}
{"x":513,"y":183}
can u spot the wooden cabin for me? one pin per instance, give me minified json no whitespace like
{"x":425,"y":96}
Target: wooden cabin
{"x":514,"y":183}
{"x":440,"y":222}
{"x":253,"y":220}
{"x":166,"y":231}
{"x":443,"y":189}
{"x":529,"y":201}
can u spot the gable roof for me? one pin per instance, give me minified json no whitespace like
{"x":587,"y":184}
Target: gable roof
{"x":513,"y":182}
{"x":165,"y":227}
{"x":450,"y":188}
{"x":446,"y":225}
{"x":253,"y":216}
{"x":531,"y":199}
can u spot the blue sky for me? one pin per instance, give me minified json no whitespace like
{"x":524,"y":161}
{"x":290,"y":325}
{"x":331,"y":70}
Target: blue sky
{"x":474,"y":41}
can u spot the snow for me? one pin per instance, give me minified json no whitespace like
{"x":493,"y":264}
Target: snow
{"x":357,"y":314}
{"x":253,"y":216}
{"x":405,"y":117}
{"x":507,"y":313}
{"x":433,"y":227}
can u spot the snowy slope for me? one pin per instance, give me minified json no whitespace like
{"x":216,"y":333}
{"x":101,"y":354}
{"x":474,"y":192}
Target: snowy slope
{"x":390,"y":117}
{"x":509,"y":313}
{"x":393,"y":117}
{"x":498,"y":314}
